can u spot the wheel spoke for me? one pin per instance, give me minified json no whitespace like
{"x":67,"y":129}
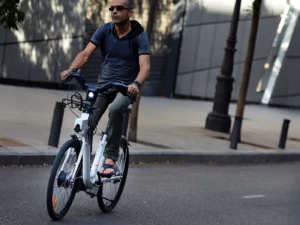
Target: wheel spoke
{"x":110,"y":189}
{"x":107,"y":199}
{"x":62,"y":192}
{"x":61,"y":189}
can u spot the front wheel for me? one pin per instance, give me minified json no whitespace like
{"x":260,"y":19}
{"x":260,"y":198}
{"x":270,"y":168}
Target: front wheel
{"x":61,"y":188}
{"x":110,"y":192}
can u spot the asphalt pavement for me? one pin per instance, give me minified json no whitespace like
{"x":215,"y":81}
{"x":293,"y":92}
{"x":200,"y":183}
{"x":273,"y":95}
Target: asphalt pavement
{"x":166,"y":194}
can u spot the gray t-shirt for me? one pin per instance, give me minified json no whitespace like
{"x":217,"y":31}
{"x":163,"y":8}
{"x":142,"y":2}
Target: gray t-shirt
{"x":120,"y":55}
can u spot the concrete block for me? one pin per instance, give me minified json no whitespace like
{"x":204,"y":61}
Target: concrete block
{"x":49,"y":159}
{"x":221,"y":35}
{"x":188,"y":49}
{"x":172,"y":157}
{"x":66,"y":52}
{"x":75,"y":24}
{"x":286,"y":78}
{"x":257,"y":72}
{"x":26,"y":29}
{"x":44,"y":57}
{"x":241,"y":42}
{"x":210,"y":10}
{"x":30,"y":159}
{"x":194,"y":12}
{"x":52,"y":21}
{"x":2,"y":35}
{"x":184,"y":84}
{"x":245,"y":40}
{"x":205,"y":44}
{"x":237,"y":75}
{"x":265,"y":36}
{"x":225,"y":10}
{"x":48,"y":19}
{"x":211,"y":83}
{"x":199,"y":83}
{"x":17,"y":54}
{"x":287,"y":84}
{"x":294,"y":48}
{"x":9,"y":159}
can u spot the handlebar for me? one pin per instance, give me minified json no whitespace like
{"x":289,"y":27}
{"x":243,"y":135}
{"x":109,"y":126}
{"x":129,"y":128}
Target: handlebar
{"x":96,"y":89}
{"x":74,"y":74}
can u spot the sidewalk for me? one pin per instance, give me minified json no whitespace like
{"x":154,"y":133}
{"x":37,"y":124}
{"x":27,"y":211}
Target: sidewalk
{"x":168,"y":130}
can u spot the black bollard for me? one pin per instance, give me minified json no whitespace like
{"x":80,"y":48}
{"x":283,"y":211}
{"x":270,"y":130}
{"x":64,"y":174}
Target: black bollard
{"x":236,"y":132}
{"x":284,"y":133}
{"x":57,"y":119}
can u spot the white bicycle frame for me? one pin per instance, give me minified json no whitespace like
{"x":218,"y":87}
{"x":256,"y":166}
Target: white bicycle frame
{"x":90,"y":176}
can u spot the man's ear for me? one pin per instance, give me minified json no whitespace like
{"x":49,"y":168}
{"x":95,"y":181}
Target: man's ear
{"x":131,"y":13}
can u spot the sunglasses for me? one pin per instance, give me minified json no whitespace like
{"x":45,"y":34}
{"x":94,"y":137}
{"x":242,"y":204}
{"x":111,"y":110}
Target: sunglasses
{"x":118,"y":8}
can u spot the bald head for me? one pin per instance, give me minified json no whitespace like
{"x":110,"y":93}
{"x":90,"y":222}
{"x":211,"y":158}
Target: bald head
{"x":130,"y":4}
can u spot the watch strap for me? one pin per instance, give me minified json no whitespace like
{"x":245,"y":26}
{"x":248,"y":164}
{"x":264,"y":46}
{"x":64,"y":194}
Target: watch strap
{"x":137,"y":83}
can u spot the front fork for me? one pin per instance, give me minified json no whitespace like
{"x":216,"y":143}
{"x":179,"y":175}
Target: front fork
{"x":99,"y":159}
{"x":89,"y":173}
{"x":81,"y":127}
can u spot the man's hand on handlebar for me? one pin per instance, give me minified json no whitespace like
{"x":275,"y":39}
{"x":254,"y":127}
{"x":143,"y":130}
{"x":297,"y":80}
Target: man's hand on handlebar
{"x":64,"y":73}
{"x":133,"y":89}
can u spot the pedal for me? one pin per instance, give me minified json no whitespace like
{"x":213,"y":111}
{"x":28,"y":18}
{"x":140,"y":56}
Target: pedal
{"x":91,"y":194}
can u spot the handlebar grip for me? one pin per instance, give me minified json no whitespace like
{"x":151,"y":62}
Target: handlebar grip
{"x":132,"y":98}
{"x":65,"y":79}
{"x":74,"y":70}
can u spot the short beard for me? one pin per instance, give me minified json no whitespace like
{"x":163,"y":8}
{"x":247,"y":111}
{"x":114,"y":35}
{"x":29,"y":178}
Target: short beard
{"x":122,"y":23}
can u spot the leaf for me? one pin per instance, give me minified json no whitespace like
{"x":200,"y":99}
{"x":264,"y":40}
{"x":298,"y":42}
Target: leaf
{"x":10,"y":15}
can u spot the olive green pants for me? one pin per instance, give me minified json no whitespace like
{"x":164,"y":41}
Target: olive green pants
{"x":118,"y":105}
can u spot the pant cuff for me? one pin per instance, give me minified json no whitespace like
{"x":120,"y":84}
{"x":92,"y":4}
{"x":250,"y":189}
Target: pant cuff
{"x":112,"y":157}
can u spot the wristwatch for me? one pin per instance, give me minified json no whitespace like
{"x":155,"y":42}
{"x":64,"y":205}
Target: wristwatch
{"x":137,"y":83}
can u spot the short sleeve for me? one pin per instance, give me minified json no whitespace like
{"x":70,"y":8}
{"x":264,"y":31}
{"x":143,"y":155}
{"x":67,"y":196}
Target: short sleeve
{"x":143,"y":44}
{"x":98,"y":35}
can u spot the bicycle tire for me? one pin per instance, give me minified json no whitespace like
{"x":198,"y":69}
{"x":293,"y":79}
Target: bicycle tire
{"x":52,"y":199}
{"x":100,"y":198}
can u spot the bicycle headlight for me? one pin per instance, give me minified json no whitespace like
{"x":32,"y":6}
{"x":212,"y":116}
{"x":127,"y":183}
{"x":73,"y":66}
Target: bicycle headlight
{"x":91,"y":95}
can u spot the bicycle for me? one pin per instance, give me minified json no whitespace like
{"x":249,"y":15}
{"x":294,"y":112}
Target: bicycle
{"x":72,"y":171}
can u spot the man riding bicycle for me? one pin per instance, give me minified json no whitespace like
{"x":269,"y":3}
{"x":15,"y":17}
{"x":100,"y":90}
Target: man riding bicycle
{"x":126,"y":57}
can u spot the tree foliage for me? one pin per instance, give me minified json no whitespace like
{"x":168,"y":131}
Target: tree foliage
{"x":10,"y":15}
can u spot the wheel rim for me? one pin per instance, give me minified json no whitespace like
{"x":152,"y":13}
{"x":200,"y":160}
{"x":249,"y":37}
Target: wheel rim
{"x":62,"y":187}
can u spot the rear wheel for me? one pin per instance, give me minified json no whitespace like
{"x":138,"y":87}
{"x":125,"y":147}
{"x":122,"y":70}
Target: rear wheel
{"x":110,"y":192}
{"x":61,"y":188}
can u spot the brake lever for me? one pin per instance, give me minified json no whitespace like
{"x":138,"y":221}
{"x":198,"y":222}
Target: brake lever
{"x":66,"y":79}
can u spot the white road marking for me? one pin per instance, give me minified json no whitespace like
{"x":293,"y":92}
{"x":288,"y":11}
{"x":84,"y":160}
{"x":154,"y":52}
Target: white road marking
{"x":253,"y":196}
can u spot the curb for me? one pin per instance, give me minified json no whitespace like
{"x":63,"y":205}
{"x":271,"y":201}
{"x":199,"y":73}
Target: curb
{"x":17,"y":159}
{"x":215,"y":158}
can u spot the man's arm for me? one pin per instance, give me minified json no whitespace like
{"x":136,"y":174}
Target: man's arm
{"x":81,"y":58}
{"x":144,"y":61}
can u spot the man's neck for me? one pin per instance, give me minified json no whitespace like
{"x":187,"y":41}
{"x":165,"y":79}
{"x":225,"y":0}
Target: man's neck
{"x":123,"y":29}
